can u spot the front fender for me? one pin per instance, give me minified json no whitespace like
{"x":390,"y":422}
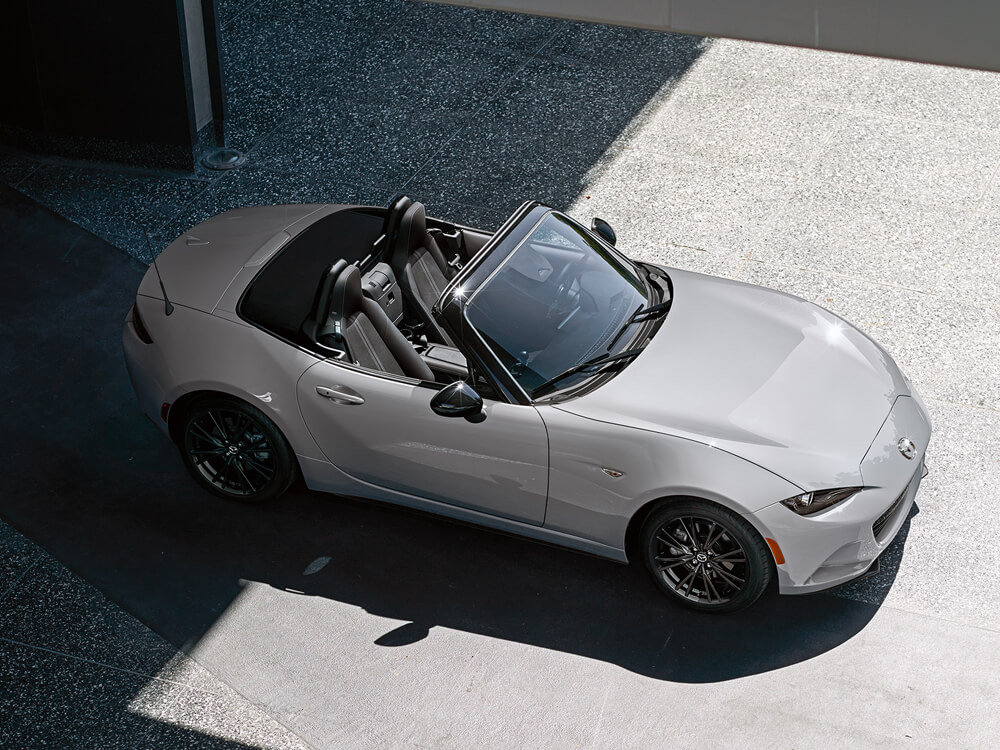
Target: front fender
{"x":586,"y":501}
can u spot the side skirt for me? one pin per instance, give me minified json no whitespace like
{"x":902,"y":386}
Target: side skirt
{"x":325,"y":477}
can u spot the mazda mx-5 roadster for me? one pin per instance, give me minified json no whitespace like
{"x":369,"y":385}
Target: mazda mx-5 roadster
{"x":534,"y":380}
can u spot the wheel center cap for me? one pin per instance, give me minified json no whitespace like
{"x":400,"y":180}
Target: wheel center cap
{"x":232,"y":450}
{"x":701,"y":557}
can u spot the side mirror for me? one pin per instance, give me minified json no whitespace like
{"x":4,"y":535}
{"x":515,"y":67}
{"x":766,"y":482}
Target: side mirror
{"x":457,"y":399}
{"x":601,"y":227}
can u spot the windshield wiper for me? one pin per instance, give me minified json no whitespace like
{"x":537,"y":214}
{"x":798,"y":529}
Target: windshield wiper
{"x":641,"y":314}
{"x":597,"y":362}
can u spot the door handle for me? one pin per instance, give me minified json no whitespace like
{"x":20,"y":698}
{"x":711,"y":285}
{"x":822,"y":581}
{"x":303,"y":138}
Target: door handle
{"x":341,"y":394}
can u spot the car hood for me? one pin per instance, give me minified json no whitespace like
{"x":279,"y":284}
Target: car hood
{"x":764,"y":375}
{"x":199,"y":265}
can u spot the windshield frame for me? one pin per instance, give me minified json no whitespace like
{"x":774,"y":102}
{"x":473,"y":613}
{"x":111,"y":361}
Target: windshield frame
{"x":454,"y":302}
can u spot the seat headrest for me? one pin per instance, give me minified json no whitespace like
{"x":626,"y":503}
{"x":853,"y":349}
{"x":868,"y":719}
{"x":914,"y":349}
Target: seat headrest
{"x":397,"y":206}
{"x":346,"y":293}
{"x":324,"y":292}
{"x":413,"y":228}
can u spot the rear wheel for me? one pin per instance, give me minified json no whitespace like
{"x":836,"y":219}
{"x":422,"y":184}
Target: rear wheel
{"x":705,"y":557}
{"x":234,"y":451}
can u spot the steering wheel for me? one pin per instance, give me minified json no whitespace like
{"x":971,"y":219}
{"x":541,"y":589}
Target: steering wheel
{"x":566,"y":297}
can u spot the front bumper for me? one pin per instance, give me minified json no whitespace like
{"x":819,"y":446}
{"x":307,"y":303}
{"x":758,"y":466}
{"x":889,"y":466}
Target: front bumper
{"x":838,"y":545}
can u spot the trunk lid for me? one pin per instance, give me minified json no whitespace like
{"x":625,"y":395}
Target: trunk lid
{"x":199,"y":265}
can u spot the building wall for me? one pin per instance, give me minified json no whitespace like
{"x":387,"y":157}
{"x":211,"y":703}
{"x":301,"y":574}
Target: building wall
{"x":109,"y":80}
{"x":949,"y":32}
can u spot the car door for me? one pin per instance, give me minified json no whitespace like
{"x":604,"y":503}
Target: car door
{"x":381,"y":430}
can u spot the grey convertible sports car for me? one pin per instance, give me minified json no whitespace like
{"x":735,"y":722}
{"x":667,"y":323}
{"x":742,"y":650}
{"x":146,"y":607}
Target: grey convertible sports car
{"x":534,"y":380}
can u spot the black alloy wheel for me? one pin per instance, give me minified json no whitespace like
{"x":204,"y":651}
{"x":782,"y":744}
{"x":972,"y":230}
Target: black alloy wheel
{"x":706,"y":557}
{"x":233,"y":450}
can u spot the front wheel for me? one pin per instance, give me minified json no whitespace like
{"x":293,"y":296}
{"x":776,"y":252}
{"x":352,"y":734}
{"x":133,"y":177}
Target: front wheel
{"x":705,"y":557}
{"x":234,"y":451}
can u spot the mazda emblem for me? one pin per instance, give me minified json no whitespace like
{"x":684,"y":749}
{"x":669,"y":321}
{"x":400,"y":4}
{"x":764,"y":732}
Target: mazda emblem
{"x":907,"y":448}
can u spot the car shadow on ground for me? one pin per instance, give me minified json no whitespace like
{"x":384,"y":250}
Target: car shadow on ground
{"x":432,"y":573}
{"x":176,"y":557}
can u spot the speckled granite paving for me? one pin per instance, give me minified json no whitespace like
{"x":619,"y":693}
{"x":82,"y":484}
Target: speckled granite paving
{"x":868,"y":186}
{"x":470,"y":111}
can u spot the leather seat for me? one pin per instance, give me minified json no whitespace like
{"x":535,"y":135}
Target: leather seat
{"x":421,"y":269}
{"x":358,"y":324}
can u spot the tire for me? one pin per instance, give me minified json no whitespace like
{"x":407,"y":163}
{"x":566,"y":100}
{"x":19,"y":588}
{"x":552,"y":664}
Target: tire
{"x":705,"y":557}
{"x":234,"y":451}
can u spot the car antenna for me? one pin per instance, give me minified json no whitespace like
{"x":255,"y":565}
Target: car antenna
{"x":166,"y":302}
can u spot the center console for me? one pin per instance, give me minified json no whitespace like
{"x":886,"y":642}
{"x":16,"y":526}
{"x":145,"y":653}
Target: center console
{"x":380,"y":285}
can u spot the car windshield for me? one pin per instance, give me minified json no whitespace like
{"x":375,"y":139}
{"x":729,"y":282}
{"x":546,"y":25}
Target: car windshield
{"x":559,"y":299}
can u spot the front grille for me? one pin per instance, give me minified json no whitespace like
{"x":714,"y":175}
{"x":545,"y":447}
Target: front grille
{"x":882,"y":520}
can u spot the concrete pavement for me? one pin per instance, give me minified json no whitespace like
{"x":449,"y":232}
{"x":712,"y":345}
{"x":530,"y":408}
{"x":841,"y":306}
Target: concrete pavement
{"x":868,"y":186}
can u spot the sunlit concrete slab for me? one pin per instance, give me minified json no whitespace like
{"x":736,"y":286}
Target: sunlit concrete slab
{"x":872,"y":677}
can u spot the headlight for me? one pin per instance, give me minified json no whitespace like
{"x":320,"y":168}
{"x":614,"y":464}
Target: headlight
{"x":813,"y":502}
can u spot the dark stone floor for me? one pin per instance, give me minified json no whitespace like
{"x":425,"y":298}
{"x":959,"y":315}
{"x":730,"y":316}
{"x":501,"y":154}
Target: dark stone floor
{"x":471,"y":112}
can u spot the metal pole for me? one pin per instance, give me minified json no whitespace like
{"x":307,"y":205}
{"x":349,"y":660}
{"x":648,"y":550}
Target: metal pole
{"x":221,"y":157}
